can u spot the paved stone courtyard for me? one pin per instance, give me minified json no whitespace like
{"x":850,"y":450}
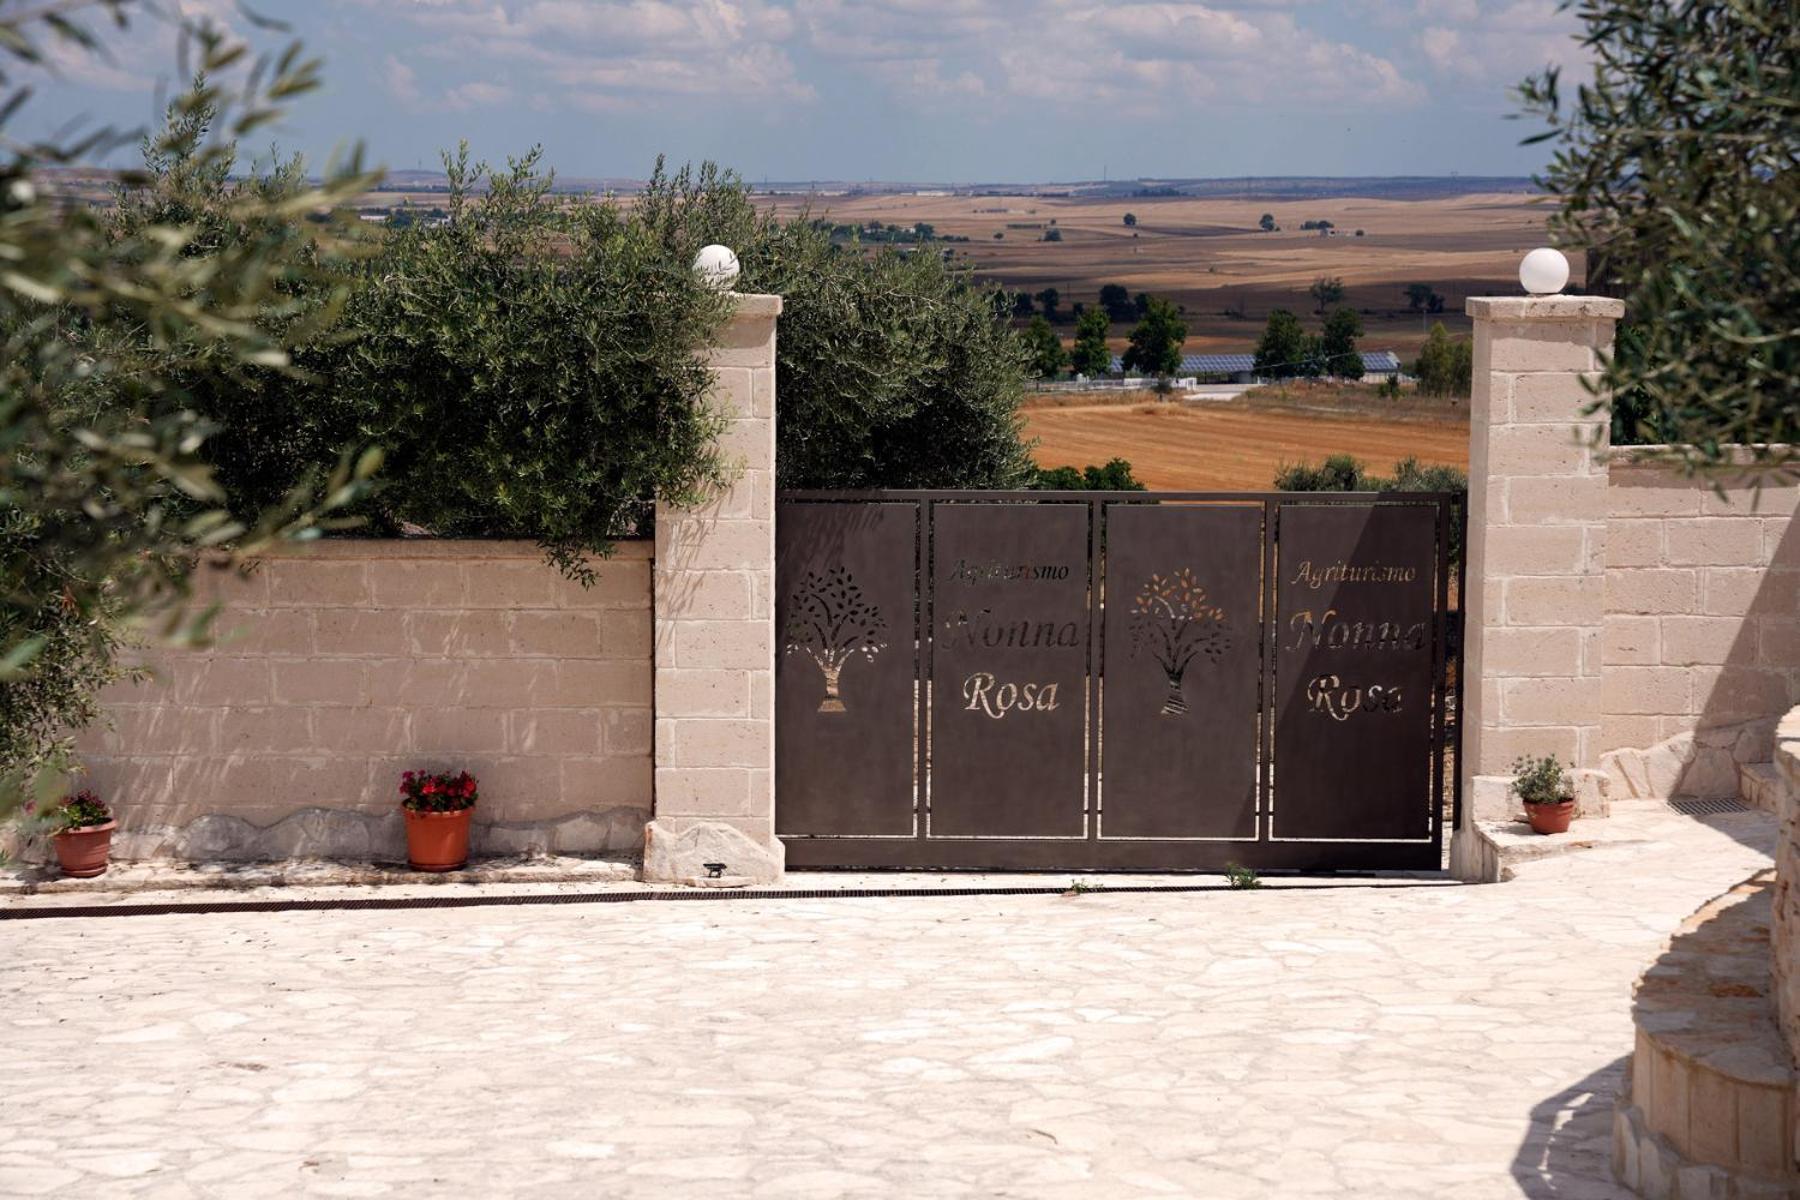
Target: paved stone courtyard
{"x":1315,"y":1041}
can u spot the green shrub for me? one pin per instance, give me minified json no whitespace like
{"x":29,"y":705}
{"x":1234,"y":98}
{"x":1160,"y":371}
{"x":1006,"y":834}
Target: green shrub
{"x":1115,"y":476}
{"x":1338,"y":473}
{"x":1345,"y":473}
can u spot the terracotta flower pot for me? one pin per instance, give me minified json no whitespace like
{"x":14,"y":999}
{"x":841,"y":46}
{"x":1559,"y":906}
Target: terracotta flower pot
{"x":437,"y":841}
{"x":83,"y":853}
{"x":1550,"y":818}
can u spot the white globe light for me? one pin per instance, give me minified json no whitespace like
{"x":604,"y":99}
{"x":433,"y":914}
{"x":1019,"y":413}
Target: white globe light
{"x":1544,"y":271}
{"x":717,"y":265}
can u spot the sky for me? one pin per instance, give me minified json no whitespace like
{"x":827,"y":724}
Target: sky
{"x":952,"y":91}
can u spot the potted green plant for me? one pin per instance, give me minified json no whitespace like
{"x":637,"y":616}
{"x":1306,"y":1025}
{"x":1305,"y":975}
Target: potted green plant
{"x":84,"y":828}
{"x":438,"y":806}
{"x":1547,"y":791}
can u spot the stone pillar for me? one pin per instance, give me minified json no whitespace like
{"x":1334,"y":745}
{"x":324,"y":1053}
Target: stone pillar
{"x":1536,"y":544}
{"x":715,"y":647}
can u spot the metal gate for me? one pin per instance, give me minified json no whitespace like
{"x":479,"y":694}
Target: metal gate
{"x":1146,"y":681}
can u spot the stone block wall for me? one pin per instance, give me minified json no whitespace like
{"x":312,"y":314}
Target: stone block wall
{"x":1635,"y":621}
{"x":1702,"y":636}
{"x":341,"y":665}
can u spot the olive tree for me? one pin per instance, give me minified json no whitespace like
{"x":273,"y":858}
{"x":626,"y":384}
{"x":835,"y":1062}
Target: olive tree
{"x":105,"y":507}
{"x":895,"y":370}
{"x":1678,"y":161}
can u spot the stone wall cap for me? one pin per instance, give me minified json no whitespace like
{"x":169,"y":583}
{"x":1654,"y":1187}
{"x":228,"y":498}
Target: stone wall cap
{"x":1750,"y":460}
{"x":748,"y":304}
{"x":1545,"y":308}
{"x":463,"y":549}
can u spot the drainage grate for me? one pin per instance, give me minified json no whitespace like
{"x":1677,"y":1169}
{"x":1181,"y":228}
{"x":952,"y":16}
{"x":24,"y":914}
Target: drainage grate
{"x":1704,"y":807}
{"x":366,"y":903}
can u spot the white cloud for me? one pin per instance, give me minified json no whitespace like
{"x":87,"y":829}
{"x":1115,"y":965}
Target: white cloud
{"x":619,"y":54}
{"x":1444,"y":49}
{"x":476,"y":93}
{"x":147,"y":52}
{"x":1135,"y":56}
{"x":1496,"y":44}
{"x":402,"y":81}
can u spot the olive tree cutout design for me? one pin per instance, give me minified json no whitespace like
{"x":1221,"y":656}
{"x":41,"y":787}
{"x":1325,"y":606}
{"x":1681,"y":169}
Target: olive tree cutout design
{"x":1172,"y":623}
{"x":831,"y":621}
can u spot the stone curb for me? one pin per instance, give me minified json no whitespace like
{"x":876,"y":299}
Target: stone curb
{"x":130,"y":877}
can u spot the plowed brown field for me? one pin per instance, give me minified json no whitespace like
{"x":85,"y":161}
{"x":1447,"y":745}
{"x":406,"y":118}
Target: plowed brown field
{"x":1209,"y":256}
{"x":1232,"y":447}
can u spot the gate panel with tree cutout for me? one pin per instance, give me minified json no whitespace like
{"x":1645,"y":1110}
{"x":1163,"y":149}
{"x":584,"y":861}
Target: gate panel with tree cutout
{"x":1182,"y":668}
{"x":846,"y":665}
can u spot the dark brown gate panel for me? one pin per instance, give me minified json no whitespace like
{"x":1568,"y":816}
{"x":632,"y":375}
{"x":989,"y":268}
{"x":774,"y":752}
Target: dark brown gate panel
{"x":1183,"y":666}
{"x":1355,"y":664}
{"x":1009,"y":659}
{"x":847,"y":643}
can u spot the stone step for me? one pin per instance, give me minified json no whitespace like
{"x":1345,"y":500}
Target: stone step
{"x":1495,"y":851}
{"x":1760,"y":786}
{"x":1503,"y":847}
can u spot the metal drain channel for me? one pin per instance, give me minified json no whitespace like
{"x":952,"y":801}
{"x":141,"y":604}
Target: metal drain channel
{"x":373,"y":903}
{"x":1703,"y":807}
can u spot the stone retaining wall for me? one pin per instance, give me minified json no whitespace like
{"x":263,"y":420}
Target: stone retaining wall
{"x":1702,"y":628}
{"x":1786,"y":940}
{"x":343,"y":664}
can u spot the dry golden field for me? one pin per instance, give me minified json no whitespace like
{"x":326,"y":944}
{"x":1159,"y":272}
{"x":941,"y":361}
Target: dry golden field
{"x":1209,"y":255}
{"x":1238,"y":445}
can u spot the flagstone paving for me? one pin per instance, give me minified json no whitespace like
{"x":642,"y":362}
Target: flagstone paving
{"x":1360,"y":1041}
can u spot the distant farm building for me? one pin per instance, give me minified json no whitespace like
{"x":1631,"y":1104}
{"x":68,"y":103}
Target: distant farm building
{"x":1241,"y":368}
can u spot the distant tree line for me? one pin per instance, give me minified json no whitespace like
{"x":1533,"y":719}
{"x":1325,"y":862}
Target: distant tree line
{"x":875,"y":233}
{"x":1153,"y":347}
